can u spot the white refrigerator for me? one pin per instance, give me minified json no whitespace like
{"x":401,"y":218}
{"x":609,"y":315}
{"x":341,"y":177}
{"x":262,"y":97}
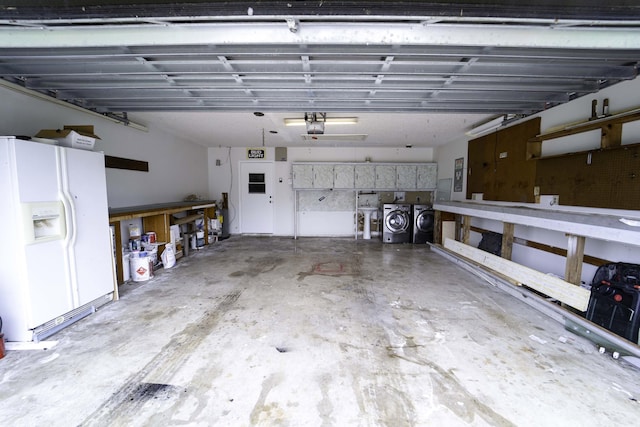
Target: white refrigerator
{"x":56,"y":260}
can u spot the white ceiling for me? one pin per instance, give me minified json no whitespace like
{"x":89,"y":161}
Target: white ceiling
{"x":242,"y":129}
{"x":413,"y":73}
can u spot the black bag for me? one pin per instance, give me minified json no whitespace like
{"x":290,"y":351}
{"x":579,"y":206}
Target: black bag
{"x":621,"y":273}
{"x":491,"y":242}
{"x":615,"y":299}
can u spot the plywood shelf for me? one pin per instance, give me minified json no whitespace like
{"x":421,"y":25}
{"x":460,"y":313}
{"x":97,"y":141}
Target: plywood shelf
{"x":609,"y":125}
{"x":576,"y":226}
{"x":187,"y":219}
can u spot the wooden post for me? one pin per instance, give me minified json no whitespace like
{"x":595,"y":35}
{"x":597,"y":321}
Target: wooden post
{"x":458,"y":235}
{"x":575,"y":256}
{"x":507,"y":240}
{"x":611,"y":135}
{"x":466,"y":227}
{"x":437,"y":228}
{"x":118,"y":252}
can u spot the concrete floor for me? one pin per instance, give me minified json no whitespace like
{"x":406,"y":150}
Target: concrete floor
{"x":316,"y":332}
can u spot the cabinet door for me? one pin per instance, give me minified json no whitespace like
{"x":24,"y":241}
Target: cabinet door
{"x":406,"y":177}
{"x":343,"y":176}
{"x":385,"y":176}
{"x":365,"y":176}
{"x":427,"y":176}
{"x":302,"y":176}
{"x":322,"y":176}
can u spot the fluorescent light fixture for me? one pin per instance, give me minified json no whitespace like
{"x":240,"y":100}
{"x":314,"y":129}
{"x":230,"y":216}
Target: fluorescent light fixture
{"x":328,"y":120}
{"x":486,"y":127}
{"x":335,"y":137}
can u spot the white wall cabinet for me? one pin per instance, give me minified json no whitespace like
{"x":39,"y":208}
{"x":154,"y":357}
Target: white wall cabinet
{"x":309,"y":175}
{"x":406,"y":177}
{"x":302,"y":175}
{"x":343,"y":176}
{"x":323,"y":176}
{"x":427,"y":176}
{"x":386,"y":177}
{"x":365,"y":176}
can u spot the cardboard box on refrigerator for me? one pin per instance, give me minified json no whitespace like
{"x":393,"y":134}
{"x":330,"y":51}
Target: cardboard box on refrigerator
{"x":72,"y":136}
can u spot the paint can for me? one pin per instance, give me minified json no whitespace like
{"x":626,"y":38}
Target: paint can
{"x":135,"y":244}
{"x":141,"y":266}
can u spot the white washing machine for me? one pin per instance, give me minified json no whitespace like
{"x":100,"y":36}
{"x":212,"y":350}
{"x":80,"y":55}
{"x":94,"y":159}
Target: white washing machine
{"x":397,"y":223}
{"x":423,"y":219}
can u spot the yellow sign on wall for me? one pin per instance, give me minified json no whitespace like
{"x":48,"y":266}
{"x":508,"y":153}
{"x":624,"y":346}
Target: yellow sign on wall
{"x":256,"y":153}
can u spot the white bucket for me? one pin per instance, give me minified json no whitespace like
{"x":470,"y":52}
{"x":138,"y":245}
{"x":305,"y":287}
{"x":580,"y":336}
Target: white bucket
{"x":141,"y":268}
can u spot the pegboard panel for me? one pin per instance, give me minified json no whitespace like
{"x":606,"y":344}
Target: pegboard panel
{"x":480,"y":154}
{"x":599,"y":178}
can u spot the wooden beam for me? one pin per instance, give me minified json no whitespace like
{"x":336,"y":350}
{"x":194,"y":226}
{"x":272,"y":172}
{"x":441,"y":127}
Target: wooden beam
{"x":507,"y":240}
{"x":567,"y":293}
{"x":186,"y":219}
{"x":575,"y":256}
{"x":128,"y":164}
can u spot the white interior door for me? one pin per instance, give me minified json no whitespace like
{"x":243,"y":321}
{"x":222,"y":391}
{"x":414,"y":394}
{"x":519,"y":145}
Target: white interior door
{"x":256,"y":197}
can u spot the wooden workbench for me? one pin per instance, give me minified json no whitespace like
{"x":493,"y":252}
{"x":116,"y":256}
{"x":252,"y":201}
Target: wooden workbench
{"x":158,"y":218}
{"x":577,"y":226}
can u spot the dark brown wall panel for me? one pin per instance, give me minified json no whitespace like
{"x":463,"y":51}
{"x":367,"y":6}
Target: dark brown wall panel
{"x":600,"y":178}
{"x":500,"y":159}
{"x":480,"y":154}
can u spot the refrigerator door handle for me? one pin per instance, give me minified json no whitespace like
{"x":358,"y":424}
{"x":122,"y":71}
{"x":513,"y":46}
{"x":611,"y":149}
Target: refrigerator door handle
{"x":67,"y":200}
{"x":68,"y":219}
{"x":70,"y":216}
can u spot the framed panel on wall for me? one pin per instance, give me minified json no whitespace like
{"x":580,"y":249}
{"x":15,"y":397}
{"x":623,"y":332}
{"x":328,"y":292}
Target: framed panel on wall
{"x":457,"y":175}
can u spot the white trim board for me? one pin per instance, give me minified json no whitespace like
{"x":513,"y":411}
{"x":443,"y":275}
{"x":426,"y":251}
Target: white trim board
{"x":565,"y":292}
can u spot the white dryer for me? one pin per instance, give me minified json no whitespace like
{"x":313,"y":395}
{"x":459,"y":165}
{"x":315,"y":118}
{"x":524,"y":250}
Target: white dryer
{"x":397,"y":223}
